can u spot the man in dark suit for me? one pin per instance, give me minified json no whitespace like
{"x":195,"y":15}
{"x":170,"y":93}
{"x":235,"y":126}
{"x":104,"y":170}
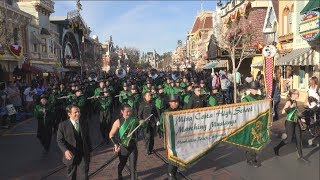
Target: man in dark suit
{"x":74,"y":142}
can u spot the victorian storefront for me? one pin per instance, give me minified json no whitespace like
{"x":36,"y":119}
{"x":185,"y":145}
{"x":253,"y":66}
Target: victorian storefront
{"x":43,"y":57}
{"x":72,"y":33}
{"x":13,"y":39}
{"x":244,"y":14}
{"x":299,"y":37}
{"x":198,"y":39}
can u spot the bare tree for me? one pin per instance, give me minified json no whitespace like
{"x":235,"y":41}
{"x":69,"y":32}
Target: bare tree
{"x":236,"y":38}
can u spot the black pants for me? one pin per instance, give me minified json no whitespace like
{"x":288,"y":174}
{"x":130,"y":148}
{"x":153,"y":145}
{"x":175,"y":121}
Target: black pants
{"x":276,"y":111}
{"x":44,"y":133}
{"x":105,"y":123}
{"x":132,"y":153}
{"x":79,"y":165}
{"x":148,"y":133}
{"x":173,"y":171}
{"x":292,"y":128}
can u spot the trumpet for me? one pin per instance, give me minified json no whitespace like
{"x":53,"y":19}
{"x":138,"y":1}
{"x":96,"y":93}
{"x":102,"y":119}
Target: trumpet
{"x":94,"y":97}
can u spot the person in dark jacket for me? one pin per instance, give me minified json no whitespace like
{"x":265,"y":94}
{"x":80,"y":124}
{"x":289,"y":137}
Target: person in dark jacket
{"x":146,"y":108}
{"x":195,"y":100}
{"x":276,"y":98}
{"x":74,"y":142}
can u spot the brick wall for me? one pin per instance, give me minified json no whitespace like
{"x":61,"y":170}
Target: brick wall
{"x":256,"y":17}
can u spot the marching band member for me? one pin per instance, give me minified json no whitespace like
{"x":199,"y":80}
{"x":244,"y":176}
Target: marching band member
{"x":291,"y":124}
{"x":195,"y":100}
{"x":124,"y":94}
{"x":134,"y":99}
{"x":173,"y":106}
{"x":215,"y":97}
{"x":146,"y":108}
{"x":252,"y":157}
{"x":125,"y":147}
{"x":105,"y":102}
{"x":44,"y":132}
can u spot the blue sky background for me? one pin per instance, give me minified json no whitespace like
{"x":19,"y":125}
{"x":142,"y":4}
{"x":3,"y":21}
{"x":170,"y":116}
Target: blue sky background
{"x":146,"y":25}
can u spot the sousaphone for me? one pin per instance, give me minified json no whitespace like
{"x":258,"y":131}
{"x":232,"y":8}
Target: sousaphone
{"x":121,"y":73}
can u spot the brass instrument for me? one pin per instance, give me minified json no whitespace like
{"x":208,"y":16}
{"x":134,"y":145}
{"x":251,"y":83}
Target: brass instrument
{"x":120,"y":73}
{"x":94,"y":97}
{"x":66,"y":97}
{"x":119,"y":95}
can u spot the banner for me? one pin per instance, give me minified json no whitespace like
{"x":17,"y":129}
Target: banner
{"x":269,"y":52}
{"x":190,"y":134}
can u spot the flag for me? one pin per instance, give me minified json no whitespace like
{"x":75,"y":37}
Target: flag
{"x":254,"y":135}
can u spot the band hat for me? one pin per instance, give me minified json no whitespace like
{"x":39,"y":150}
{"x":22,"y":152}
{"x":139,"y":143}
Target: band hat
{"x":254,"y":85}
{"x":173,"y":98}
{"x":160,"y":87}
{"x":133,"y":87}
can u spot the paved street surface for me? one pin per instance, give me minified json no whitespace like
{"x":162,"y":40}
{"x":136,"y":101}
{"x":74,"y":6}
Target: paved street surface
{"x":22,"y":158}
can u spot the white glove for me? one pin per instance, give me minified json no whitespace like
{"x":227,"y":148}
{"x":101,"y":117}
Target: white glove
{"x":158,"y":123}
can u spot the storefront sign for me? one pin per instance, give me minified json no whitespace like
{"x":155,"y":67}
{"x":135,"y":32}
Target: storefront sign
{"x":310,"y":26}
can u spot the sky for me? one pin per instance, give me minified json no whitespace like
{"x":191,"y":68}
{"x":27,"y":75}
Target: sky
{"x":146,"y":25}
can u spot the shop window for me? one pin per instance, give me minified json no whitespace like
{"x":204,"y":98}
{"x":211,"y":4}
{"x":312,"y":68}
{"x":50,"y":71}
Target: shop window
{"x":302,"y":77}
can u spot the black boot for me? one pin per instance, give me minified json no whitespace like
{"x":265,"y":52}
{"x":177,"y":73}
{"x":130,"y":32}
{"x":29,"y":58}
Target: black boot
{"x":171,"y":176}
{"x":276,"y":149}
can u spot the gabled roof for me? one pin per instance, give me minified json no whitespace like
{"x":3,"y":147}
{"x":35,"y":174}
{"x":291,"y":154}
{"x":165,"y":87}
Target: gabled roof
{"x":275,"y":4}
{"x":203,"y":21}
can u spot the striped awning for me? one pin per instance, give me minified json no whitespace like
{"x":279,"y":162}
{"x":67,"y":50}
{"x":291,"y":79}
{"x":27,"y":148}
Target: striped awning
{"x":222,"y":64}
{"x":298,"y":57}
{"x":216,"y":64}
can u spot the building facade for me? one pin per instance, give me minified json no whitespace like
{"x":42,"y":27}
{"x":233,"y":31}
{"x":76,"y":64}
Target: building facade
{"x":43,"y":38}
{"x":72,"y":31}
{"x":13,"y":38}
{"x":198,"y":39}
{"x":246,"y":13}
{"x":299,"y":39}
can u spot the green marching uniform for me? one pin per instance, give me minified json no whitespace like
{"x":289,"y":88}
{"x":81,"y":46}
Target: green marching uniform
{"x":44,"y":133}
{"x":133,"y":102}
{"x":250,"y":155}
{"x":292,"y":127}
{"x":105,"y":104}
{"x":123,"y":98}
{"x":214,"y":99}
{"x":128,"y":146}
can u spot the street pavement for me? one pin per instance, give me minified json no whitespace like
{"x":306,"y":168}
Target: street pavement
{"x":21,"y":158}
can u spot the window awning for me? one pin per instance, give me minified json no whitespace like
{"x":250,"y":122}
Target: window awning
{"x":210,"y":65}
{"x":298,"y":57}
{"x":216,"y":64}
{"x":311,"y":6}
{"x":44,"y":67}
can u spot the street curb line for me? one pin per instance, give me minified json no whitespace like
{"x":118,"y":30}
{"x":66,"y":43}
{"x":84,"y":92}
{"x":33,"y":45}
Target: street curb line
{"x":15,"y":126}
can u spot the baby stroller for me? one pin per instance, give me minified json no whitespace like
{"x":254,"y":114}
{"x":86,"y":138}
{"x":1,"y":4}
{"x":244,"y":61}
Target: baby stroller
{"x":311,"y":115}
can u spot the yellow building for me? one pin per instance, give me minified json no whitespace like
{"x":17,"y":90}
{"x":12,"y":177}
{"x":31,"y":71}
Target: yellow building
{"x":198,"y":39}
{"x":299,"y":51}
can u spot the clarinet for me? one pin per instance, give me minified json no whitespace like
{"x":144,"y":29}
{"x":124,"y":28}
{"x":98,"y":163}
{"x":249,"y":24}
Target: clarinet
{"x":44,"y":113}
